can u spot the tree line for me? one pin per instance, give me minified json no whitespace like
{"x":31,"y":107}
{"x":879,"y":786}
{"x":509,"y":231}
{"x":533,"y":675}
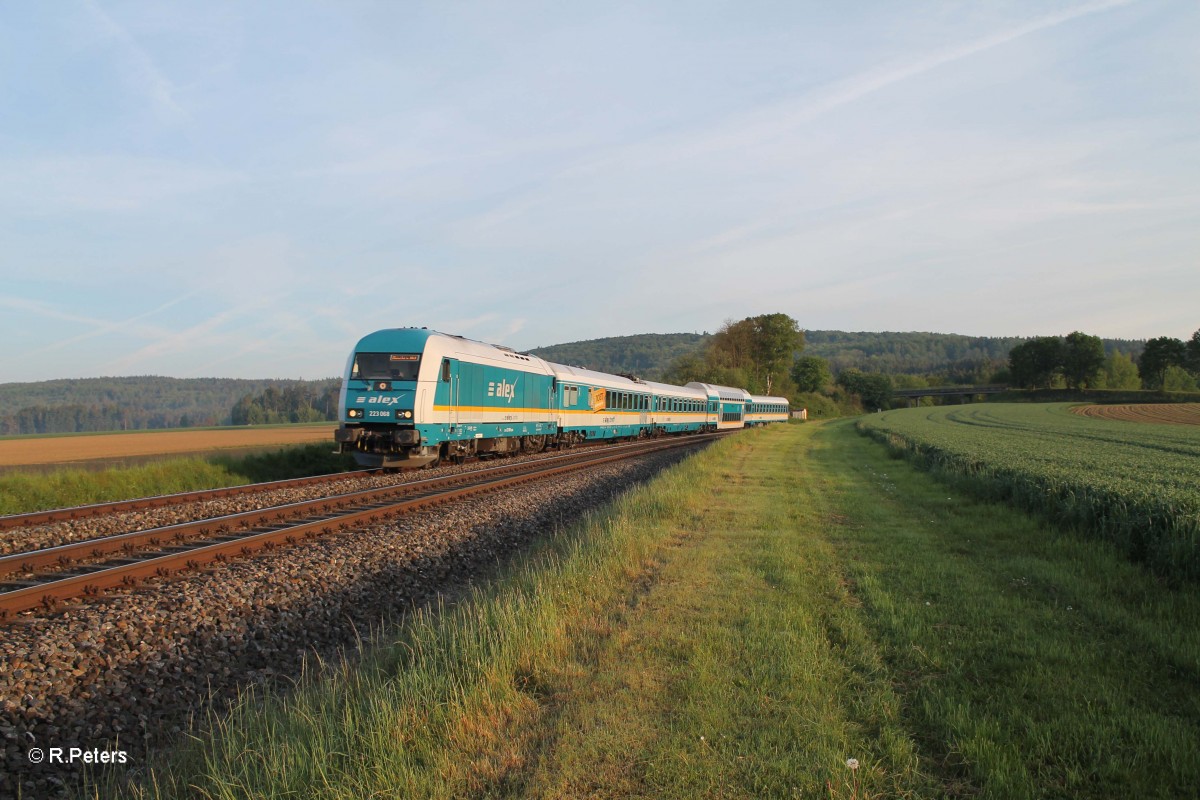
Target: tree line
{"x":294,"y":403}
{"x":1079,"y":361}
{"x":134,"y":403}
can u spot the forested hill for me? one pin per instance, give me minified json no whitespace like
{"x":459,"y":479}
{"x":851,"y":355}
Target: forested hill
{"x":104,"y":404}
{"x":649,"y":355}
{"x":921,"y":353}
{"x":134,"y":403}
{"x":646,"y":355}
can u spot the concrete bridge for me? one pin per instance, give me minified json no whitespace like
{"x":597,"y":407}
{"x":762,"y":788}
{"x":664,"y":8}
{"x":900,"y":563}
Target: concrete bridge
{"x":945,"y":391}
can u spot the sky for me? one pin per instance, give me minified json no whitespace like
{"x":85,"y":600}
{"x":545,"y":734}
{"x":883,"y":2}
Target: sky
{"x":231,"y":189}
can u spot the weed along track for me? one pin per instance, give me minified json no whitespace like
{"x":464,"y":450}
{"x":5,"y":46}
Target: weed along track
{"x":131,"y":667}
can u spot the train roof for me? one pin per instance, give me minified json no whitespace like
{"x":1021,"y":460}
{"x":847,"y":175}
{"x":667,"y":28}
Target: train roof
{"x":567,"y":373}
{"x":762,"y":398}
{"x":438,"y":344}
{"x":723,"y":392}
{"x":678,"y":391}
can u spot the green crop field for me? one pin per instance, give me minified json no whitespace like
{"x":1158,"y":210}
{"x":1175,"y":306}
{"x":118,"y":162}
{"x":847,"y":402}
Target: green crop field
{"x":1133,"y":484}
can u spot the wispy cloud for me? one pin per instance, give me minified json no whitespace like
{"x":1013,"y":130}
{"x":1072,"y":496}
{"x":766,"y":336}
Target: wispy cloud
{"x":130,"y":325}
{"x":104,"y":183}
{"x":145,"y":73}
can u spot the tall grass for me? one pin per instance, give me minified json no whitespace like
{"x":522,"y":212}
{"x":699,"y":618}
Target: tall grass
{"x":677,"y":644}
{"x":445,"y":705}
{"x":22,"y":491}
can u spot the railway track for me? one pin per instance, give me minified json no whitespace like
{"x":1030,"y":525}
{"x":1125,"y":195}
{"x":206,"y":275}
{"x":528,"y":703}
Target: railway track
{"x":142,"y":503}
{"x":41,"y":579}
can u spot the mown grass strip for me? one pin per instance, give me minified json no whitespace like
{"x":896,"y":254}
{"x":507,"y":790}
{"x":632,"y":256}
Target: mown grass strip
{"x":1032,"y":662}
{"x":577,"y":676}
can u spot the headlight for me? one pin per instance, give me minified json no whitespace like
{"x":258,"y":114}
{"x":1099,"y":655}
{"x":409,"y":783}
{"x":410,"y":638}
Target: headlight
{"x":354,"y":413}
{"x":406,"y":414}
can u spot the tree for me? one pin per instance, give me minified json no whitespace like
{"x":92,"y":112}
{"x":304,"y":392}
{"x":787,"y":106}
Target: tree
{"x":1178,"y":379}
{"x":1120,"y":372}
{"x":1036,"y":362}
{"x":1082,"y":360}
{"x":875,"y":389}
{"x":755,"y":353}
{"x":1160,"y":353}
{"x":811,"y":374}
{"x":1193,"y":354}
{"x":777,"y":340}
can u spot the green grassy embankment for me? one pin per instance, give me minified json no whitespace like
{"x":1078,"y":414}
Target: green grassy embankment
{"x":23,"y":491}
{"x":791,"y":599}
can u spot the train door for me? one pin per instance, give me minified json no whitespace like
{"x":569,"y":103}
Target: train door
{"x":450,"y":377}
{"x":644,"y":405}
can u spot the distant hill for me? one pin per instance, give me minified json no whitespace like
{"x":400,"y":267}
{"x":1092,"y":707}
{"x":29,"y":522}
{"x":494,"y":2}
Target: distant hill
{"x":101,"y":404}
{"x":922,"y":353}
{"x":133,"y":403}
{"x":646,"y":355}
{"x":947,"y":354}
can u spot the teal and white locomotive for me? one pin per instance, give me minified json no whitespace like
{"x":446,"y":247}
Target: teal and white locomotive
{"x":411,"y":397}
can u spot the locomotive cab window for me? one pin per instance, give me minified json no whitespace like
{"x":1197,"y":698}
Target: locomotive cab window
{"x":386,"y":366}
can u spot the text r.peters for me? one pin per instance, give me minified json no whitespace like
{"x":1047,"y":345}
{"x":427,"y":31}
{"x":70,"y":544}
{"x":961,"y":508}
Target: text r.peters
{"x":77,"y":755}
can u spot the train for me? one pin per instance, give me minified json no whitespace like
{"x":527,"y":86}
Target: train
{"x":414,"y":397}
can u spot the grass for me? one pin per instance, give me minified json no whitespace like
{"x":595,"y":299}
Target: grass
{"x":1035,"y":662}
{"x":760,"y":614}
{"x":22,"y":492}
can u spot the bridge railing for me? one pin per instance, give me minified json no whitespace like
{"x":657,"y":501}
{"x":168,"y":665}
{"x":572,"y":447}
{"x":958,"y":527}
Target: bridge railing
{"x":939,"y":391}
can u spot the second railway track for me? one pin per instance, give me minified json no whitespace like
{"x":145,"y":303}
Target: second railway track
{"x":46,"y":577}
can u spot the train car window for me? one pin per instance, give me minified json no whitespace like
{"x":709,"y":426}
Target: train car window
{"x":386,"y":366}
{"x":445,"y":370}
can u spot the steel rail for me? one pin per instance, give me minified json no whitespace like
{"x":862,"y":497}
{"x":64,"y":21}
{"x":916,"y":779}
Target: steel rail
{"x":436,"y":491}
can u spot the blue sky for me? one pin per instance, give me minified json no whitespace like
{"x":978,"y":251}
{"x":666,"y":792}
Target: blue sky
{"x":243,"y":189}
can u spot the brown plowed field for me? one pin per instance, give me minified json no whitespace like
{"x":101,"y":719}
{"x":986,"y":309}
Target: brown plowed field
{"x":1173,"y":413}
{"x":63,"y":449}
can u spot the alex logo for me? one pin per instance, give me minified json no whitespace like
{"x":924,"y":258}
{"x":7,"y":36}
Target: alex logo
{"x":381,"y":400}
{"x":502,"y":389}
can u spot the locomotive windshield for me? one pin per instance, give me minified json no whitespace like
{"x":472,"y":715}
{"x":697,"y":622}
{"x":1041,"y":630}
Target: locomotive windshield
{"x":386,"y":366}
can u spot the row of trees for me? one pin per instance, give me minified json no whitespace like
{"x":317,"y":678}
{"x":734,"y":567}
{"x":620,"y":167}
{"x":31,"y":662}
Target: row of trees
{"x":77,"y":418}
{"x":1079,"y":361}
{"x":764,"y":355}
{"x":300,"y":402}
{"x":129,"y":403}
